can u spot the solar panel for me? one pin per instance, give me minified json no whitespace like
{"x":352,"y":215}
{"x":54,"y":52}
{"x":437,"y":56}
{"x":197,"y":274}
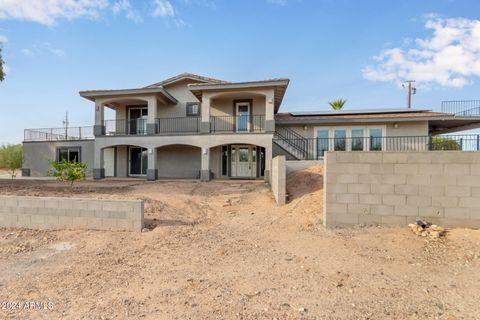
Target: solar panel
{"x":359,"y":111}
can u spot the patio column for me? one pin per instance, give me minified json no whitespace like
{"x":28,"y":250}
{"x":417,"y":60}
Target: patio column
{"x":99,"y":127}
{"x":205,"y":168}
{"x":152,"y":116}
{"x":152,"y":171}
{"x":269,"y":111}
{"x":205,"y":109}
{"x":98,"y":164}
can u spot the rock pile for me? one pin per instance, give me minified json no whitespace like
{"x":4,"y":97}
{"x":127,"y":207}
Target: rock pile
{"x":426,"y":229}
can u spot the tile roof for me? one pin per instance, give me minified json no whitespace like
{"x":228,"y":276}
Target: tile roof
{"x":186,"y":75}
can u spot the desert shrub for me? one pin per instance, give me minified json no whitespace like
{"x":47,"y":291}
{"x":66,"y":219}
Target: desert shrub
{"x":445,"y":143}
{"x":11,"y":158}
{"x":68,"y":171}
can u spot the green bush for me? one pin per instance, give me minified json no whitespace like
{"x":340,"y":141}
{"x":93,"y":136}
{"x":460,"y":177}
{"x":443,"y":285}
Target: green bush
{"x":68,"y":171}
{"x":445,"y":143}
{"x":11,"y":158}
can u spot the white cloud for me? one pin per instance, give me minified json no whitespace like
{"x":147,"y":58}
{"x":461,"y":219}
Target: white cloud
{"x":450,"y":57}
{"x":3,"y":38}
{"x":163,"y":8}
{"x":49,"y":11}
{"x":41,"y":48}
{"x":125,"y":6}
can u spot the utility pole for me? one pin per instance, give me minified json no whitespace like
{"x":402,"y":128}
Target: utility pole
{"x":411,"y":91}
{"x":65,"y":124}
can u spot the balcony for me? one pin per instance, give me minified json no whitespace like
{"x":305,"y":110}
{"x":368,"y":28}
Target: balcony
{"x":239,"y":124}
{"x":58,"y":134}
{"x":462,"y":108}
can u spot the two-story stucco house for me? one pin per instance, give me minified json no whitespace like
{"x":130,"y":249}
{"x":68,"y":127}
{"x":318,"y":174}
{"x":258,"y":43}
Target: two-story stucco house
{"x":191,"y":126}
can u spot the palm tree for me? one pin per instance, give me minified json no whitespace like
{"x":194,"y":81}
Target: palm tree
{"x":337,"y":104}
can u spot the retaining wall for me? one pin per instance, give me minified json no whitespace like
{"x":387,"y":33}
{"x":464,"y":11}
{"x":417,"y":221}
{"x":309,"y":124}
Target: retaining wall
{"x":395,"y":188}
{"x":278,"y":179}
{"x":57,"y":213}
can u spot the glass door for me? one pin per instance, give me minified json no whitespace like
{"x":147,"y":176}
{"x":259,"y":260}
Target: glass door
{"x":138,"y":160}
{"x":244,"y":161}
{"x":243,"y":117}
{"x":322,"y":142}
{"x":137,"y":121}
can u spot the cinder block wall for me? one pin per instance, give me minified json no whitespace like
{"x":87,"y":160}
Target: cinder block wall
{"x":58,"y":213}
{"x":395,"y":188}
{"x":278,"y":179}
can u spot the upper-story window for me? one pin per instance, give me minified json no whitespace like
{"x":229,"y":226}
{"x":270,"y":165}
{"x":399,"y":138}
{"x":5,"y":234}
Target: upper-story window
{"x":193,"y":109}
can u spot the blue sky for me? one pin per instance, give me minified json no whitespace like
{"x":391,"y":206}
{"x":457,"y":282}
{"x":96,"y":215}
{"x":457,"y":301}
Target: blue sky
{"x":359,"y":50}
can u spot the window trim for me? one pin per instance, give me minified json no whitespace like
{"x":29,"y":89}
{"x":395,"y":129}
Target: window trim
{"x":191,"y":114}
{"x":366,"y":135}
{"x":57,"y":151}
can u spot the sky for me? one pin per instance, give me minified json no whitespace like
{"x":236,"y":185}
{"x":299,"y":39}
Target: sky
{"x":359,"y":50}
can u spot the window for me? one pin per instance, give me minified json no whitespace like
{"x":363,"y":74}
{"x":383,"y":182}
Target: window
{"x":193,"y":109}
{"x":69,"y":154}
{"x":322,"y":142}
{"x":340,"y":139}
{"x":357,"y":139}
{"x":375,"y":139}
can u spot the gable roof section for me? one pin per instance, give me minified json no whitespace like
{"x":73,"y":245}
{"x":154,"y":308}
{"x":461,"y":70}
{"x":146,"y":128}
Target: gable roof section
{"x":93,"y":94}
{"x":278,"y":84}
{"x":183,"y":76}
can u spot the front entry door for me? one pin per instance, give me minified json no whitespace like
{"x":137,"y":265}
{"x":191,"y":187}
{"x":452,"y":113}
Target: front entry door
{"x":138,"y":161}
{"x":244,"y":161}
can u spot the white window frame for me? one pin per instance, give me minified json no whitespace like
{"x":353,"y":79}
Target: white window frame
{"x":348,"y":147}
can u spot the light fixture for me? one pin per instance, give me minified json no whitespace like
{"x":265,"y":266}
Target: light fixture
{"x":270,"y":100}
{"x":305,"y":127}
{"x":395,"y":125}
{"x":205,"y":151}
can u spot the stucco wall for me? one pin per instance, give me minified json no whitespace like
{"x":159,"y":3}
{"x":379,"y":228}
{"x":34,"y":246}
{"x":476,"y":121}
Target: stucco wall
{"x":395,"y":188}
{"x":408,"y":128}
{"x":57,"y":213}
{"x":278,"y":180}
{"x":179,"y":161}
{"x":226,"y":107}
{"x":38,"y":154}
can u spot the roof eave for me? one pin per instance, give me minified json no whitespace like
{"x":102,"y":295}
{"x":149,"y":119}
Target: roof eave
{"x":360,"y":120}
{"x":92,"y":95}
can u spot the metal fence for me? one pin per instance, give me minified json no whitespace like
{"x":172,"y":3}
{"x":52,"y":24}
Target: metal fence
{"x":314,"y":149}
{"x":58,"y":134}
{"x":462,"y":107}
{"x":178,"y":125}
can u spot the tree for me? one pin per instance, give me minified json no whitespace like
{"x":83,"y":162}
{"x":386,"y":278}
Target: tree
{"x":337,"y":104}
{"x":2,"y":72}
{"x":68,"y":171}
{"x":12,"y":158}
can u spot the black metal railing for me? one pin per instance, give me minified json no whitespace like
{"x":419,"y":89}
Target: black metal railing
{"x":178,"y":125}
{"x":462,"y":107}
{"x":294,"y":142}
{"x":58,"y":134}
{"x":246,"y":123}
{"x":316,"y":148}
{"x":126,"y":127}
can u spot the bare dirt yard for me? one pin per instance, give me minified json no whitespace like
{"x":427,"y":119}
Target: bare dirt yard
{"x":224,"y":250}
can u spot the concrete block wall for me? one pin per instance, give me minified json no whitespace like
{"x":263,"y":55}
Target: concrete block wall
{"x":58,"y":213}
{"x":278,"y":180}
{"x":395,"y":188}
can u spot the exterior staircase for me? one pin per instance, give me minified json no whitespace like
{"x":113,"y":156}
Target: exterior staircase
{"x":291,"y":142}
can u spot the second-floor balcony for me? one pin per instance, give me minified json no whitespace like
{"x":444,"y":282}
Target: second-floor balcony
{"x":186,"y":125}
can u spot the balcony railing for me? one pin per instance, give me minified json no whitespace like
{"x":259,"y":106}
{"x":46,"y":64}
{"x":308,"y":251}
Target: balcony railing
{"x":125,"y":127}
{"x":313,"y":149}
{"x":463,"y":108}
{"x":247,"y":123}
{"x":58,"y":134}
{"x":178,"y":125}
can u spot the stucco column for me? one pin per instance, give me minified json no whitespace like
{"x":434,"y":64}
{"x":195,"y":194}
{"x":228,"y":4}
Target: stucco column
{"x":205,"y":124}
{"x":152,"y":116}
{"x":99,"y":127}
{"x":98,"y":164}
{"x":205,"y":168}
{"x":152,"y":171}
{"x":268,"y":163}
{"x":269,"y":111}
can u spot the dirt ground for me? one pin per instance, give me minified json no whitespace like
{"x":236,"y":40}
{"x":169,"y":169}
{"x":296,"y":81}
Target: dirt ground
{"x":224,"y":250}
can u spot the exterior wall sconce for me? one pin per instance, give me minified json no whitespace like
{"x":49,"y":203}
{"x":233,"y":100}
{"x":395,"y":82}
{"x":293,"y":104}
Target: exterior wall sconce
{"x":97,"y":107}
{"x":395,"y":125}
{"x":270,"y":100}
{"x":150,"y":151}
{"x":305,"y":128}
{"x":205,"y":151}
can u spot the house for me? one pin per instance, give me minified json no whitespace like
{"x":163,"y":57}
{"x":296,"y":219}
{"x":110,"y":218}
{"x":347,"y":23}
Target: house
{"x":190,"y":126}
